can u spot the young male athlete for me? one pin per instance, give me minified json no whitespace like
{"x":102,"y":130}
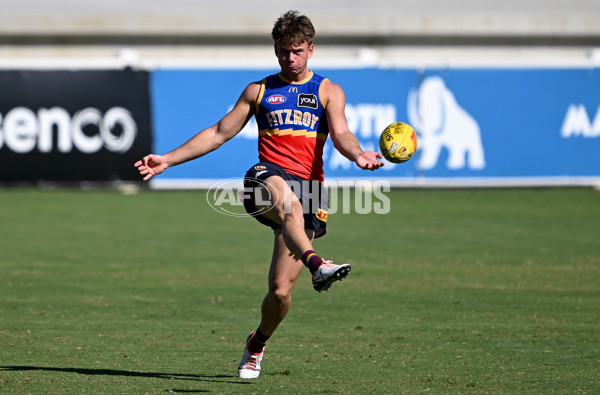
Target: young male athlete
{"x":295,"y":111}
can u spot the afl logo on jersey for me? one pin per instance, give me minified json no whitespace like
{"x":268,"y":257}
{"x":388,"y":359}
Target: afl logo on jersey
{"x":276,"y":99}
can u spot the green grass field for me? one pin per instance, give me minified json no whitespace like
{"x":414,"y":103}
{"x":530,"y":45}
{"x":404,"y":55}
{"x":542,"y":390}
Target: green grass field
{"x":454,"y":291}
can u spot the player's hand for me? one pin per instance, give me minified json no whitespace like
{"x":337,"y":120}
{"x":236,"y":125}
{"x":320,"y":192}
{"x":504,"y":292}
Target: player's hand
{"x":151,"y":165}
{"x":367,"y":160}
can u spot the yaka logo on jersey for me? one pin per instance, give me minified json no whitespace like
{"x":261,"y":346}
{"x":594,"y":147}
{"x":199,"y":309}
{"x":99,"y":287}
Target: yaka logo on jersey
{"x":276,"y":99}
{"x":308,"y":100}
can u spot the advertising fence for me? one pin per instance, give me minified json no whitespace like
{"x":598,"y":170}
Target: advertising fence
{"x":491,"y":126}
{"x":72,"y":126}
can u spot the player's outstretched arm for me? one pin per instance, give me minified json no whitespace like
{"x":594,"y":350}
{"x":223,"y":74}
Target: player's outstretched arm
{"x":151,"y":165}
{"x":343,"y":139}
{"x":207,"y":140}
{"x":368,"y":160}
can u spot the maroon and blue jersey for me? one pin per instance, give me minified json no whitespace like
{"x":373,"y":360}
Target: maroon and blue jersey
{"x":292,"y":125}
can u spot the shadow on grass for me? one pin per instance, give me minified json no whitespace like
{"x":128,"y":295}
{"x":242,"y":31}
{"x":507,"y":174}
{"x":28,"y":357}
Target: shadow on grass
{"x":111,"y":372}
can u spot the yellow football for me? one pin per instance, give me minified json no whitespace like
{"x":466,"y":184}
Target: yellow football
{"x":398,"y":142}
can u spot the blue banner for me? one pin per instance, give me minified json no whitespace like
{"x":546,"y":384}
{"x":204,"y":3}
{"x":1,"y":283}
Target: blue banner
{"x":470,"y":123}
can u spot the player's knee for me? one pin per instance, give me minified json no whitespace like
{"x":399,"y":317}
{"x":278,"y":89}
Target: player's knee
{"x":281,"y":295}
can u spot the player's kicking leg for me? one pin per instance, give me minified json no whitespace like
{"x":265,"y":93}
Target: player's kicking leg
{"x":287,"y":211}
{"x":327,"y":273}
{"x":291,"y":242}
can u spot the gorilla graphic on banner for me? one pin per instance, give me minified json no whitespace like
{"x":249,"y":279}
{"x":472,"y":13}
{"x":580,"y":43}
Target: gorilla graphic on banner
{"x":441,"y":122}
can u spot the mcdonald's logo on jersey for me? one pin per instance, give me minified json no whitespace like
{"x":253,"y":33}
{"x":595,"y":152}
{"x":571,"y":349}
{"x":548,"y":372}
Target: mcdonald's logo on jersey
{"x":293,"y":89}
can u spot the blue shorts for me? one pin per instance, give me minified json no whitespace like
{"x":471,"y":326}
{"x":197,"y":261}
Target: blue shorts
{"x":312,"y":194}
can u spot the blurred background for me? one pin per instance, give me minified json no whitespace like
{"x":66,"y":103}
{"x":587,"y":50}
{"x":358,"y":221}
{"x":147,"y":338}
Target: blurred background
{"x":500,"y":93}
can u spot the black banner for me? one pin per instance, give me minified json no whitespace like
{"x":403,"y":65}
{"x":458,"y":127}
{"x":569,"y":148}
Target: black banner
{"x":71,"y":126}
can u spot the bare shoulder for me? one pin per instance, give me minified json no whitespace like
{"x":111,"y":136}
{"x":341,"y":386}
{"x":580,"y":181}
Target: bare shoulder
{"x":251,"y":91}
{"x":332,"y":94}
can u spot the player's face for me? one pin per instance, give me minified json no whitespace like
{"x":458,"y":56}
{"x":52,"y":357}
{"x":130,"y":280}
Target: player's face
{"x":293,"y":59}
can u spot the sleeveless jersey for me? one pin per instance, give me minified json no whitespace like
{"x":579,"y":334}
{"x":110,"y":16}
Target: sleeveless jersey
{"x":292,"y":125}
